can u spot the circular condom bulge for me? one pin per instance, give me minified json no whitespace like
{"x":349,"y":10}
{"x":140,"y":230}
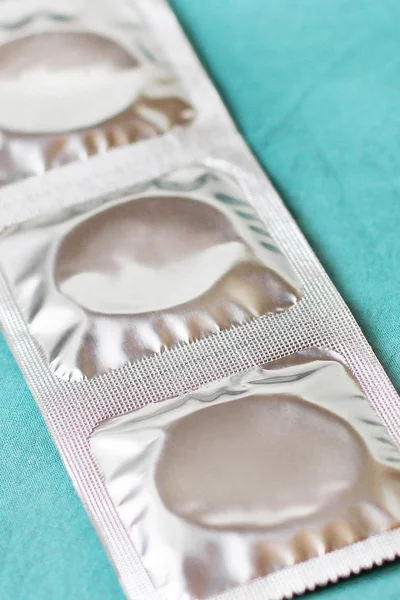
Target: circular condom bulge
{"x":257,"y":462}
{"x":147,"y":254}
{"x":58,"y":82}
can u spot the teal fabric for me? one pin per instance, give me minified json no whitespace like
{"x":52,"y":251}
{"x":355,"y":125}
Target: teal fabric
{"x":315,"y":88}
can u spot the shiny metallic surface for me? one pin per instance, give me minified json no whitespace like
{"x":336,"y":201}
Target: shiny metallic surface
{"x":251,"y":474}
{"x":54,"y":270}
{"x":110,"y":281}
{"x":89,"y":89}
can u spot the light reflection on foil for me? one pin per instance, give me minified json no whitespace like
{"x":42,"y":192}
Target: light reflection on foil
{"x":107,"y":282}
{"x":70,"y":91}
{"x":250,"y":475}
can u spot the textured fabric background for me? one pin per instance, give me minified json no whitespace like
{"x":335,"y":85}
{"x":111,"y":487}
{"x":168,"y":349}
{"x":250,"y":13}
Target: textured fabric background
{"x":315,"y":88}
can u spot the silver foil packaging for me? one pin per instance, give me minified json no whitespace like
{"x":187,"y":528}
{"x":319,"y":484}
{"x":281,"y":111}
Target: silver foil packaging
{"x":251,"y":474}
{"x":163,"y":263}
{"x":76,"y":80}
{"x":227,"y":426}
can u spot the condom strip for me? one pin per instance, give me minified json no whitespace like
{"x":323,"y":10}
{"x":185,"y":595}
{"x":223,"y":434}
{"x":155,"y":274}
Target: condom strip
{"x":228,"y":428}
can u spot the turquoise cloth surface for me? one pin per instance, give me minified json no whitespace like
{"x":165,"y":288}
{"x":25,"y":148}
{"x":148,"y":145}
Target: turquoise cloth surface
{"x":315,"y":88}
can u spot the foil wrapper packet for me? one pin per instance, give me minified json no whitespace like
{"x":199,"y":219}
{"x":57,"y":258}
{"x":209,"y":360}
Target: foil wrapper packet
{"x":225,"y":422}
{"x":79,"y":79}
